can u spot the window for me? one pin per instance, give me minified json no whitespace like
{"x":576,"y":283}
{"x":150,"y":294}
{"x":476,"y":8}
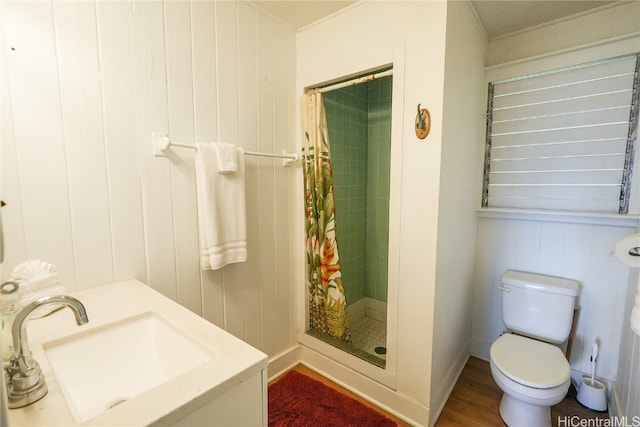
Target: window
{"x":563,"y":139}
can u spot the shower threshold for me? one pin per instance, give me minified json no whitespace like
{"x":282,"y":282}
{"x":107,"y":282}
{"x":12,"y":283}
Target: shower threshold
{"x":348,"y":347}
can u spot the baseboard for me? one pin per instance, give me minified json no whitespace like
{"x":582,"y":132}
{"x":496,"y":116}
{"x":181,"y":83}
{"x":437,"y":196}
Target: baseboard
{"x":283,"y":362}
{"x":440,"y":394}
{"x":380,"y":395}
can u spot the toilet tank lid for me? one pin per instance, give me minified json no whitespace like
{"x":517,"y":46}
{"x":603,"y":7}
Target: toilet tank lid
{"x":541,"y":282}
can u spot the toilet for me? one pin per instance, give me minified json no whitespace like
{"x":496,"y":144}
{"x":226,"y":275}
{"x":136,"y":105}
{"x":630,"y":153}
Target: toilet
{"x":526,"y":362}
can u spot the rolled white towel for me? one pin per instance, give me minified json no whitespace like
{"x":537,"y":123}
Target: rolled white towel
{"x":46,"y":284}
{"x":30,"y":269}
{"x":37,"y":279}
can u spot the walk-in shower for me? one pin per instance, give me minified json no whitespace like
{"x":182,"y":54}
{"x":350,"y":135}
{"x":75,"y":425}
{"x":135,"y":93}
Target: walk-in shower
{"x":359,"y":131}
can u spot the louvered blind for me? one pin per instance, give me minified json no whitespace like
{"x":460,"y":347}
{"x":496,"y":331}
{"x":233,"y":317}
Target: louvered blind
{"x":563,"y":139}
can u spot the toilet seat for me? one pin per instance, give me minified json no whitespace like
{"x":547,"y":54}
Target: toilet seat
{"x":529,"y":362}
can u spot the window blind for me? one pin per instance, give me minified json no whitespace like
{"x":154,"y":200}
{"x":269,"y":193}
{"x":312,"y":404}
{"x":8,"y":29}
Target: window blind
{"x":563,"y":139}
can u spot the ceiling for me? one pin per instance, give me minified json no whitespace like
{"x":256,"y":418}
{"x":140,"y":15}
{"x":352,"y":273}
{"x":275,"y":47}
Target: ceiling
{"x":498,"y":16}
{"x":299,"y":13}
{"x":502,"y":17}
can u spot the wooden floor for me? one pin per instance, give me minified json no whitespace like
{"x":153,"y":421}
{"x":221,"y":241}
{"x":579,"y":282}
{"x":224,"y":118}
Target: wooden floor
{"x":474,"y":402}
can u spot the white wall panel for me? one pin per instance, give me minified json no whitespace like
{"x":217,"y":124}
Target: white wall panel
{"x":205,"y":96}
{"x":633,"y":396}
{"x":460,"y":179}
{"x":484,"y":301}
{"x":629,"y":358}
{"x":601,"y":317}
{"x":552,"y":236}
{"x":291,"y":279}
{"x":13,"y":227}
{"x":150,"y":97}
{"x":249,"y":277}
{"x":81,"y":109}
{"x":34,"y":93}
{"x":115,"y":32}
{"x":227,"y":50}
{"x":625,"y":371}
{"x":86,"y":85}
{"x":283,"y":82}
{"x":632,"y":406}
{"x":266,"y":170}
{"x":178,"y":51}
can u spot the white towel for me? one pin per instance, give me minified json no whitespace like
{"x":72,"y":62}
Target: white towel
{"x":222,"y":217}
{"x":37,"y":279}
{"x":227,"y":157}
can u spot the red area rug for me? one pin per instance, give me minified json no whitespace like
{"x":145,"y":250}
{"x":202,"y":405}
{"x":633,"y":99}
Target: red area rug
{"x":299,"y":401}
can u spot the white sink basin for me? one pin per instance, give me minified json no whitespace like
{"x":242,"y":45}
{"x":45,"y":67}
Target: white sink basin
{"x":103,"y":367}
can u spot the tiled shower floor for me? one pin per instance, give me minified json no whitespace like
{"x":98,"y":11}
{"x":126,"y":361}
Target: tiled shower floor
{"x":367,"y":334}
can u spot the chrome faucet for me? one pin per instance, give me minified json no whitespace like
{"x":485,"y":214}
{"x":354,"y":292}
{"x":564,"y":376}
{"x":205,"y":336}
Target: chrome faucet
{"x":24,"y":378}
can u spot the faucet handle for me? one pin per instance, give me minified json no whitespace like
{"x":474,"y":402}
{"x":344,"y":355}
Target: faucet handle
{"x":24,"y":378}
{"x":24,"y":386}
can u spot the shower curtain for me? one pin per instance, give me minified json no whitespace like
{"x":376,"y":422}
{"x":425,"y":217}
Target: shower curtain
{"x":327,"y":302}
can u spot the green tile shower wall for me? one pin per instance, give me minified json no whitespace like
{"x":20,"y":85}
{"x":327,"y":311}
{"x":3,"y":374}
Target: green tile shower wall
{"x":378,"y":167}
{"x":347,"y":122}
{"x":359,"y":120}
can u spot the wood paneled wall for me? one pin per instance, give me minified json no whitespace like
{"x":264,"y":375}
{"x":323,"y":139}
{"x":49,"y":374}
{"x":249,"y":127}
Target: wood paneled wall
{"x":628,"y":381}
{"x":84,"y":84}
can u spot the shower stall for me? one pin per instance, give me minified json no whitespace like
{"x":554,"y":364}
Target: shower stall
{"x":359,"y":130}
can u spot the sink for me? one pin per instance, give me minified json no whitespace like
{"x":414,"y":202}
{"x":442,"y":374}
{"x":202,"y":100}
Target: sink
{"x":104,"y":367}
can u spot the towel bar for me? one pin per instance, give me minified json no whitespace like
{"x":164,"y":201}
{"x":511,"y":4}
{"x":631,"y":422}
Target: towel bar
{"x":161,"y":143}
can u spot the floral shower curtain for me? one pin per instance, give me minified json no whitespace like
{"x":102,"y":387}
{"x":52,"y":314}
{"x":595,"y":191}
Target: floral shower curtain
{"x":327,"y":302}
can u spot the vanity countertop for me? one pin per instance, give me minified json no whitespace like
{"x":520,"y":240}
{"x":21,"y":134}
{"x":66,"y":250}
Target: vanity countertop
{"x":232,"y":362}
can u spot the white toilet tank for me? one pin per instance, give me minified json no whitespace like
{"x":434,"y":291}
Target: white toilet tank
{"x":537,"y":305}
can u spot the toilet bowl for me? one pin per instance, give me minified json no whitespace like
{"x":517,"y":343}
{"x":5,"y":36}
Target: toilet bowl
{"x":526,"y":363}
{"x":533,"y":375}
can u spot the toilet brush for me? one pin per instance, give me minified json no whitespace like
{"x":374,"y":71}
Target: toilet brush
{"x":594,"y":355}
{"x":592,"y":392}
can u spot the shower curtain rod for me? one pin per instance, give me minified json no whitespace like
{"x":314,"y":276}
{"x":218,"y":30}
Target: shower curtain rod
{"x":351,"y":82}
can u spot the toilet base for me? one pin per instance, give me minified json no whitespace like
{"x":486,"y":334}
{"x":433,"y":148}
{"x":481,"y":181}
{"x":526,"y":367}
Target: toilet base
{"x":516,"y":413}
